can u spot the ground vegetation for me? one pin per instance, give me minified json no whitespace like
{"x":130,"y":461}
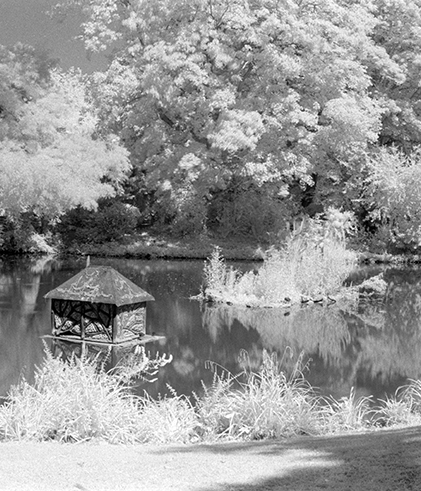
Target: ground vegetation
{"x":79,"y":401}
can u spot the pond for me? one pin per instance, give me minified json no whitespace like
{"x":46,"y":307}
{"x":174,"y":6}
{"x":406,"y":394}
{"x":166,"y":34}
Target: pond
{"x":374,"y":348}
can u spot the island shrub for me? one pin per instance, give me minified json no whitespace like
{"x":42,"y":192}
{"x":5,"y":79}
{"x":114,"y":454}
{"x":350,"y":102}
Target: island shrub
{"x":314,"y":262}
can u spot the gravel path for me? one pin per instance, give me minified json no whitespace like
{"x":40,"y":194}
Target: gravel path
{"x":382,"y":461}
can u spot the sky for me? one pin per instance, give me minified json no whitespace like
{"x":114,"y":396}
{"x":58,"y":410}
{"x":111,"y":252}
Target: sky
{"x":25,"y":21}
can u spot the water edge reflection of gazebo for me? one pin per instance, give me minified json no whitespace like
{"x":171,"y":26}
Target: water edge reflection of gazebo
{"x":99,"y":305}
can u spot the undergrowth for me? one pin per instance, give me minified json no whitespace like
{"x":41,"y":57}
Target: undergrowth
{"x":77,"y":401}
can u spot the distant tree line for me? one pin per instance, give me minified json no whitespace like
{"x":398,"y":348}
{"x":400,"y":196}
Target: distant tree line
{"x":230,"y":117}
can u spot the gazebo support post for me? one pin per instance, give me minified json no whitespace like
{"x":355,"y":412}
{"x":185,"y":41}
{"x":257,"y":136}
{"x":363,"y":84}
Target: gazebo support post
{"x":114,"y":324}
{"x":53,"y":322}
{"x":82,"y":323}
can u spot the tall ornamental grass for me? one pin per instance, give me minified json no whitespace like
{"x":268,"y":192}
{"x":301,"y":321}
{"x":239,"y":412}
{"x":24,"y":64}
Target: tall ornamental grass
{"x":269,"y":404}
{"x":404,"y":408}
{"x":78,"y":401}
{"x":258,"y":405}
{"x":314,"y":262}
{"x":70,"y":402}
{"x":347,"y":414}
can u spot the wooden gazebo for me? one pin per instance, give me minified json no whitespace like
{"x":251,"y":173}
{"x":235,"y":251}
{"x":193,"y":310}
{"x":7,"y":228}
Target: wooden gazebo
{"x":99,"y":305}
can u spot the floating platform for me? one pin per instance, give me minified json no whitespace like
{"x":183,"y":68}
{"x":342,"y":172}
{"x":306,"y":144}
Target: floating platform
{"x":147,"y":338}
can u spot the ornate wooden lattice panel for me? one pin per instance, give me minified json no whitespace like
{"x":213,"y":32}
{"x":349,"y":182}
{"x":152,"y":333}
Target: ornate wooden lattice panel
{"x":97,"y":319}
{"x":130,"y":321}
{"x":66,"y":317}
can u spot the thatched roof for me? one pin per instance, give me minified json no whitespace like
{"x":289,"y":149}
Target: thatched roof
{"x":100,"y":284}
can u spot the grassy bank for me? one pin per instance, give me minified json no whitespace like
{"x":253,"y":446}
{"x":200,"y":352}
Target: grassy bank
{"x":78,"y":401}
{"x":155,"y":245}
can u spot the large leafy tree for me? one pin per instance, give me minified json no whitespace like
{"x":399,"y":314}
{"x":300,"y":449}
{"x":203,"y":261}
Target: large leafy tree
{"x":212,"y":96}
{"x":237,"y":109}
{"x":24,"y":73}
{"x":51,"y":158}
{"x":387,"y":191}
{"x":398,"y":32}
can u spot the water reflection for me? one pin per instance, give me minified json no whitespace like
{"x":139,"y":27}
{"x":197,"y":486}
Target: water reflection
{"x":375,"y":347}
{"x":323,"y":334}
{"x":23,"y":320}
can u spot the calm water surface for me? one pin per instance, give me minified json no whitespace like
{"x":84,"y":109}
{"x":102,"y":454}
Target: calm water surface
{"x":375,"y":348}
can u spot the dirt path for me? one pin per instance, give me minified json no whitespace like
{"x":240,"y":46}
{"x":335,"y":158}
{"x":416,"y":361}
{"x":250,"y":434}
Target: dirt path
{"x":382,"y":461}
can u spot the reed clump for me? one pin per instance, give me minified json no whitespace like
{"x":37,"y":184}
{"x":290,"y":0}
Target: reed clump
{"x":404,"y":408}
{"x":258,"y":405}
{"x":314,"y":262}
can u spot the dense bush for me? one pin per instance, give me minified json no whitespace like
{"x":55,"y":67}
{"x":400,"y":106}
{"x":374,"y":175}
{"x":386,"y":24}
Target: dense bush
{"x":14,"y":235}
{"x":26,"y":233}
{"x":249,"y":211}
{"x":394,"y":198}
{"x":110,"y":222}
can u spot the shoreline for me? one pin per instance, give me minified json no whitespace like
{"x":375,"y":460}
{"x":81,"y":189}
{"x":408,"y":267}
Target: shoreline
{"x":158,"y":245}
{"x":201,"y":249}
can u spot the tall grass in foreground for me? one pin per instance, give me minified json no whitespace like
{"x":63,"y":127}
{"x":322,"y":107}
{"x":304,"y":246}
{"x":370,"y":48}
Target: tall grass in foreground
{"x":404,"y":409}
{"x":77,"y":401}
{"x":313,"y":262}
{"x":266,"y":404}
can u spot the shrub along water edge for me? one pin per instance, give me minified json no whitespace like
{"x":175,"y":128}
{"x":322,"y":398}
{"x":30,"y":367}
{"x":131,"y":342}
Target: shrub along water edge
{"x":314,"y":262}
{"x":78,"y":401}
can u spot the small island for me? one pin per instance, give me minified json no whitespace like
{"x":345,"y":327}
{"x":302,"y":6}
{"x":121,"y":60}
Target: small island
{"x":311,"y":267}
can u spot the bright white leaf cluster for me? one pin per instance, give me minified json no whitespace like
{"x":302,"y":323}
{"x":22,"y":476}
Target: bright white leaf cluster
{"x":51,"y":159}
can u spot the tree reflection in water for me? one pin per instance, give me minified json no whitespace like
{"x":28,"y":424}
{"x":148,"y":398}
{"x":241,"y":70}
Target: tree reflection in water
{"x":320,"y":332}
{"x":374,"y":347}
{"x":22,"y":319}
